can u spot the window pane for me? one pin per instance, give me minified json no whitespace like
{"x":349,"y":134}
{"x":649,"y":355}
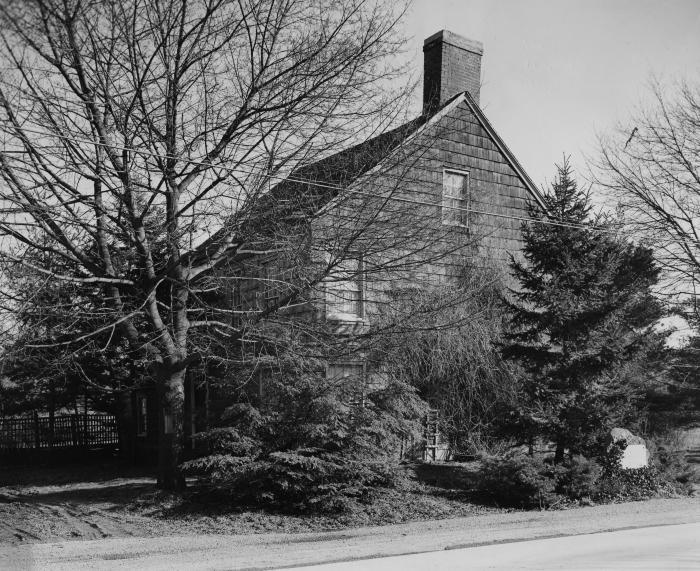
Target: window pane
{"x":344,"y":288}
{"x":455,"y":194}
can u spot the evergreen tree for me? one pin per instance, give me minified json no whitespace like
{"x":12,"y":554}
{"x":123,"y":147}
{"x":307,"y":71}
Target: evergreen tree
{"x":580,"y":323}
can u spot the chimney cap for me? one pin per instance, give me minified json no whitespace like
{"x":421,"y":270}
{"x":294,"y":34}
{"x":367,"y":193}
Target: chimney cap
{"x":456,"y":40}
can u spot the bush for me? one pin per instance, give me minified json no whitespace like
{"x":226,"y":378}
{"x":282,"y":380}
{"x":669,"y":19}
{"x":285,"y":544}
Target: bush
{"x":527,"y":482}
{"x":625,"y":484}
{"x":306,"y":480}
{"x":306,"y":446}
{"x":579,"y":478}
{"x":669,"y":457}
{"x":519,"y":481}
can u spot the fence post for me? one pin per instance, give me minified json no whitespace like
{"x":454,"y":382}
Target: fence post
{"x":52,"y":427}
{"x":73,"y":431}
{"x":85,"y":421}
{"x":37,"y":438}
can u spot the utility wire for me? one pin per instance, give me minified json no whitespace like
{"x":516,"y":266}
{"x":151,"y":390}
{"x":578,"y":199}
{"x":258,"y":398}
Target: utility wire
{"x":338,"y":188}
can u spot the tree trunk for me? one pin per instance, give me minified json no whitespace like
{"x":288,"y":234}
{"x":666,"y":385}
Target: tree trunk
{"x":172,"y":400}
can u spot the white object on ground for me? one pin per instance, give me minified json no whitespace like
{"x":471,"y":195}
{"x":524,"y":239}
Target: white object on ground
{"x":634,"y":456}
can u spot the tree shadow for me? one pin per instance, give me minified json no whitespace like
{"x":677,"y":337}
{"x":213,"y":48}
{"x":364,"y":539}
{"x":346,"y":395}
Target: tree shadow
{"x":448,"y":475}
{"x":87,"y":476}
{"x":117,"y":492}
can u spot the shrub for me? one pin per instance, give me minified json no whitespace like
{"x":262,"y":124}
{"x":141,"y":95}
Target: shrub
{"x":519,"y":481}
{"x":625,"y":484}
{"x":579,"y":478}
{"x":526,"y":482}
{"x":669,"y":457}
{"x":306,"y":480}
{"x":307,"y":446}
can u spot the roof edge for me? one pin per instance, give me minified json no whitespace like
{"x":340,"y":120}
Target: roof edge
{"x":446,"y":108}
{"x":507,"y":153}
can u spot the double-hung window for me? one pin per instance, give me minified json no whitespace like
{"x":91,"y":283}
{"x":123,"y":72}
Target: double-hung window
{"x":344,"y":290}
{"x":455,"y":198}
{"x":267,"y":292}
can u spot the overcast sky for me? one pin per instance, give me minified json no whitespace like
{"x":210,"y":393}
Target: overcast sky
{"x":556,"y":72}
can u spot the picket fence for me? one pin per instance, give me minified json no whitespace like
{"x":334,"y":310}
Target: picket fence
{"x":60,"y":431}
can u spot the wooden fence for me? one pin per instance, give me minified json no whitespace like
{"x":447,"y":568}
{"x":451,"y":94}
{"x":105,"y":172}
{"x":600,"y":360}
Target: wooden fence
{"x":60,"y":431}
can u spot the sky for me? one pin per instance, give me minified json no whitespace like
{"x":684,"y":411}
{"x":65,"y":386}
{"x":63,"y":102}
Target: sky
{"x":557,"y":73}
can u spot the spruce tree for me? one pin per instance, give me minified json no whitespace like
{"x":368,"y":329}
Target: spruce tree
{"x":580,"y":322}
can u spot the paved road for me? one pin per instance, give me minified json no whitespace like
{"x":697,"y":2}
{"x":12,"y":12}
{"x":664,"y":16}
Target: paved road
{"x":668,"y":547}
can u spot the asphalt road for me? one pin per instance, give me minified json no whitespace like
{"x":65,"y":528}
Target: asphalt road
{"x":664,"y":547}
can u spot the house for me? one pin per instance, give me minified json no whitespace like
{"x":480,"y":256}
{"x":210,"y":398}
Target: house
{"x":343,"y":241}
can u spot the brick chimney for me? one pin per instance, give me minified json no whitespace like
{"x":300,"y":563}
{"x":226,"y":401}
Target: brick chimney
{"x":451,"y":65}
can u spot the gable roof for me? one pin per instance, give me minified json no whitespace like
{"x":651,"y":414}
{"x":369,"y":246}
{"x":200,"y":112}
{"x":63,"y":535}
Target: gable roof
{"x":307,"y":190}
{"x":313,"y":187}
{"x":507,"y":153}
{"x":316,"y":185}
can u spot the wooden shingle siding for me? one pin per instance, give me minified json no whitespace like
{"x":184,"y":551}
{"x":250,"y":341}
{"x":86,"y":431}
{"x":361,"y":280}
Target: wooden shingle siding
{"x":496,"y":187}
{"x":413,"y":177}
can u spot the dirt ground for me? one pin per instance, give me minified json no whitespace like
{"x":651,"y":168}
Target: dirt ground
{"x":83,"y":517}
{"x":278,"y":550}
{"x":107,"y":501}
{"x":82,"y":502}
{"x":104,"y":501}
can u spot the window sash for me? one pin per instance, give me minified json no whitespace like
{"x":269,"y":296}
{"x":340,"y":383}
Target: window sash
{"x":344,"y":289}
{"x":455,"y":198}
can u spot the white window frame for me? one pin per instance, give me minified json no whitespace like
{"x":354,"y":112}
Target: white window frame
{"x":447,"y":212}
{"x":357,"y":278}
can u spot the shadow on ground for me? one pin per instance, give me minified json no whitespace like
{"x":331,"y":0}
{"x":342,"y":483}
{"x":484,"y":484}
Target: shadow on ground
{"x":100,"y":500}
{"x":97,"y":469}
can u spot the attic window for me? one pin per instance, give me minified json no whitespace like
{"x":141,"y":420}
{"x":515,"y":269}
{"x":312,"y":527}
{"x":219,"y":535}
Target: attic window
{"x":455,"y":198}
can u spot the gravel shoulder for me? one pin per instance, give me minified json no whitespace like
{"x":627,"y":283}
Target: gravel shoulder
{"x":276,"y":550}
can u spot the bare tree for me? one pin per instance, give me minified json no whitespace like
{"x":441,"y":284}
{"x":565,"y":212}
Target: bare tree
{"x":357,"y":263}
{"x":134,"y":132}
{"x":652,"y":167}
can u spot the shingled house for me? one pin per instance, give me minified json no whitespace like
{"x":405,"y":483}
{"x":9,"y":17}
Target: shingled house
{"x":399,"y":212}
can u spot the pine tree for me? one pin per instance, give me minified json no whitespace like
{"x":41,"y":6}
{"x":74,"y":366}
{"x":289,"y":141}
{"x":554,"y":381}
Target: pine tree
{"x":580,"y":323}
